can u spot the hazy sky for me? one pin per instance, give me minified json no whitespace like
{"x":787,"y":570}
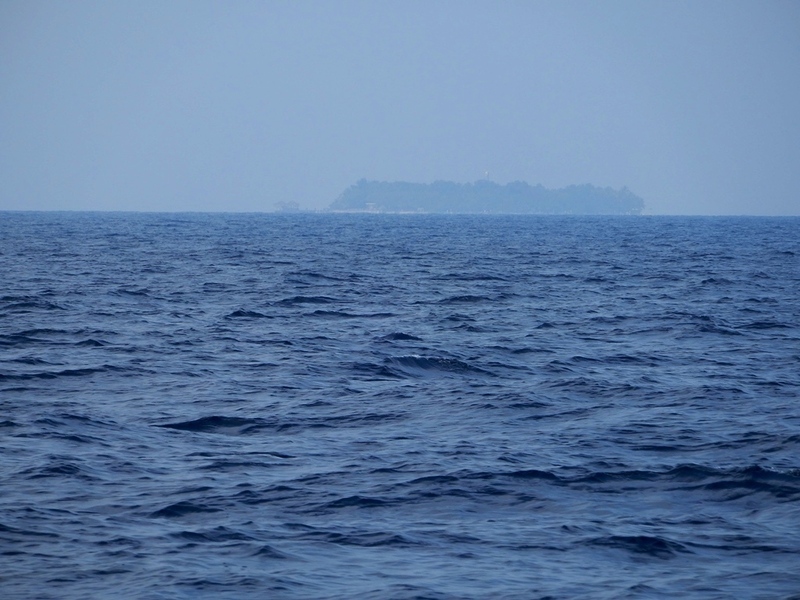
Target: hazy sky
{"x":236,"y":105}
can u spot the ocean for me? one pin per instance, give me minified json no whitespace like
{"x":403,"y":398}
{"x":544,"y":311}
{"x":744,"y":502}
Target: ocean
{"x":335,"y":406}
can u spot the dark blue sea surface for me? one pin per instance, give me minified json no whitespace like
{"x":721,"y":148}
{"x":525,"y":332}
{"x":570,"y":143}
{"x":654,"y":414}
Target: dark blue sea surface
{"x":389,"y":406}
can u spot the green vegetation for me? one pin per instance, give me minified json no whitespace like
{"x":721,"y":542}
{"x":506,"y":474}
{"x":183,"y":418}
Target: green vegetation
{"x":486,"y":197}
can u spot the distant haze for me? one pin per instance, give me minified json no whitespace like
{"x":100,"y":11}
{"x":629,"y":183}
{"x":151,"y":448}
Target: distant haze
{"x":239,"y":106}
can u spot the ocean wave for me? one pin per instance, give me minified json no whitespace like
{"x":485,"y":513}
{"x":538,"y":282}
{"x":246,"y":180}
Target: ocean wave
{"x":247,"y":314}
{"x":400,"y":336}
{"x":236,"y":426}
{"x":183,"y":508}
{"x":415,"y":365}
{"x":299,"y":300}
{"x":345,"y":315}
{"x":465,"y":299}
{"x":648,"y":545}
{"x":78,"y":372}
{"x":343,"y":406}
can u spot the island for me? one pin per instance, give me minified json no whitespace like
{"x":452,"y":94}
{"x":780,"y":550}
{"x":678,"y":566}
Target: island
{"x":485,"y":197}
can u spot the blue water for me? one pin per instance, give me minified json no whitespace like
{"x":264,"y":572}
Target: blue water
{"x":377,"y":406}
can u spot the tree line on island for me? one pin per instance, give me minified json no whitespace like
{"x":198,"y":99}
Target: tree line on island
{"x":485,"y":196}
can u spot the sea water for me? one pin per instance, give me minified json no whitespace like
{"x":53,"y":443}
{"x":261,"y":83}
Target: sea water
{"x":398,"y":406}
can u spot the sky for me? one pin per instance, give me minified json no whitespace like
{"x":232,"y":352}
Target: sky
{"x":239,"y":106}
